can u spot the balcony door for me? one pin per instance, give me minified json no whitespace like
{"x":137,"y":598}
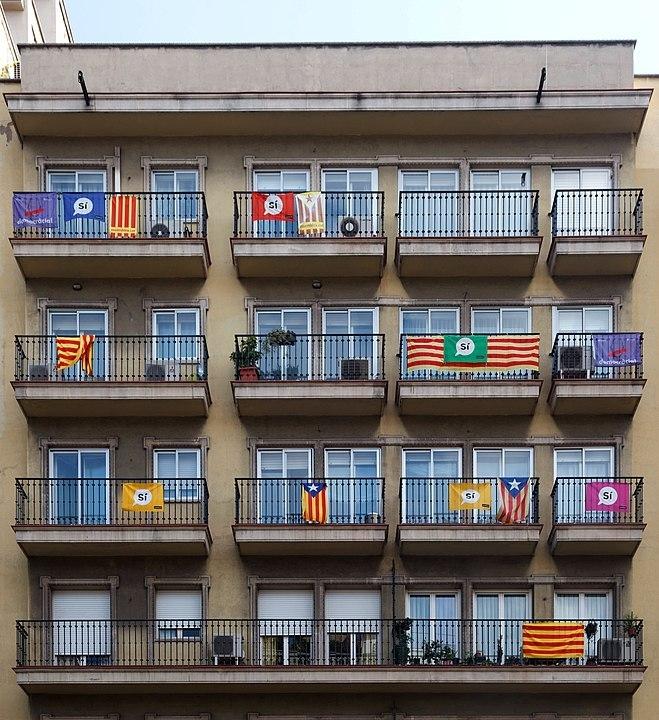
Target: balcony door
{"x":426,"y":321}
{"x":174,"y":203}
{"x":576,"y":464}
{"x":589,"y":607}
{"x":179,"y":470}
{"x":501,"y":321}
{"x":425,"y":493}
{"x":278,"y":181}
{"x":82,"y":633}
{"x":176,"y":344}
{"x":353,"y":485}
{"x":285,"y":626}
{"x":280,"y":474}
{"x":80,"y":487}
{"x":499,"y":203}
{"x":287,"y":362}
{"x":78,"y":181}
{"x":349,"y":339}
{"x":352,"y":620}
{"x":435,"y":631}
{"x":575,"y":327}
{"x":495,"y":463}
{"x":73,"y":323}
{"x":584,"y":213}
{"x":498,"y":618}
{"x":429,"y":204}
{"x":350,"y":193}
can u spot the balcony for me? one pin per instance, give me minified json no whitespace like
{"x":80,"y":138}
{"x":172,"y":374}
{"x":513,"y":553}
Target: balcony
{"x":304,"y":655}
{"x":596,"y":232}
{"x":270,"y":521}
{"x":168,"y":238}
{"x":351,"y":244}
{"x":429,"y":526}
{"x":436,"y":384}
{"x":597,"y":516}
{"x":132,"y":376}
{"x":596,"y":374}
{"x":313,"y":375}
{"x":71,"y":517}
{"x":468,"y":234}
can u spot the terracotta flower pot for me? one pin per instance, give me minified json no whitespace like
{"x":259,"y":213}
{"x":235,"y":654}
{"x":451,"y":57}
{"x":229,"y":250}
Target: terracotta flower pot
{"x":248,"y":374}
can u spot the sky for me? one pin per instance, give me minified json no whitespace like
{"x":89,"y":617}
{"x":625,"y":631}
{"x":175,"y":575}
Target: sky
{"x":242,"y":21}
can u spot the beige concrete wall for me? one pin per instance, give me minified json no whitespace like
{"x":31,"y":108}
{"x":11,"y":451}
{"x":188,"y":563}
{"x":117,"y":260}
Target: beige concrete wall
{"x":330,"y":68}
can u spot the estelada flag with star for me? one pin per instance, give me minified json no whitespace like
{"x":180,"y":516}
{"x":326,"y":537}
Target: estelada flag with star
{"x":314,"y":502}
{"x":514,"y":497}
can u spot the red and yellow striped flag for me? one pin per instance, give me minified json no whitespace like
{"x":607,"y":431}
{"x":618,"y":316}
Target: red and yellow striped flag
{"x":70,"y":350}
{"x":553,"y":640}
{"x":425,"y":353}
{"x":314,"y":502}
{"x":123,"y":216}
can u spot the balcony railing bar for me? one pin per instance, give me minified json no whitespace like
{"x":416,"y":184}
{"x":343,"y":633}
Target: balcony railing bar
{"x":575,"y":356}
{"x":117,"y":358}
{"x":289,"y":642}
{"x":603,"y":211}
{"x":572,"y":504}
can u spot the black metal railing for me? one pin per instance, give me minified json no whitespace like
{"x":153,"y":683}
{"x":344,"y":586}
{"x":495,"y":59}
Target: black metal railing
{"x":346,"y":214}
{"x":98,"y":502}
{"x":278,"y":501}
{"x":597,"y":356}
{"x":468,"y":213}
{"x":116,"y":358}
{"x":597,"y":212}
{"x":158,"y":215}
{"x":609,"y":500}
{"x":287,"y":642}
{"x":428,"y":501}
{"x":313,"y":357}
{"x":450,"y":374}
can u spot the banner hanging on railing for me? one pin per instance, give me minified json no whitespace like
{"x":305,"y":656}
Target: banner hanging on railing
{"x":469,"y":496}
{"x":273,"y":206}
{"x":90,"y":206}
{"x":514,"y":499}
{"x":123,"y":216}
{"x":544,"y":640}
{"x":310,"y":213}
{"x":615,"y":349}
{"x":472,"y":353}
{"x":35,"y":210}
{"x":71,"y":350}
{"x":608,"y":497}
{"x":314,"y":502}
{"x":143,"y":497}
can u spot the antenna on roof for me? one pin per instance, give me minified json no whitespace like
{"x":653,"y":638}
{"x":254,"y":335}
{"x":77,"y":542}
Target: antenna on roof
{"x":541,"y":86}
{"x":83,"y":85}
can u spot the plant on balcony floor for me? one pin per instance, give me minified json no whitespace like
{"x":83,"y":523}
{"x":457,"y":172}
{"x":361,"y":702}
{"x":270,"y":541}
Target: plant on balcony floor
{"x":437,"y":653}
{"x":632,"y":624}
{"x":246,"y":358}
{"x":590,"y":629}
{"x":281,"y":337}
{"x":401,"y":641}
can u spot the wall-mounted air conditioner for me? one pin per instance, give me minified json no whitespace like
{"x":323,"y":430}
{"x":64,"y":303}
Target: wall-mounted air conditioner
{"x":354,"y":369}
{"x":227,"y":649}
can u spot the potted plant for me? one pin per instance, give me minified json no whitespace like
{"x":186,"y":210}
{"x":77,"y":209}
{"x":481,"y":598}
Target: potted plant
{"x":632,"y":624}
{"x":280,"y":337}
{"x":590,"y":629}
{"x":246,"y":358}
{"x":401,"y":641}
{"x":437,"y":653}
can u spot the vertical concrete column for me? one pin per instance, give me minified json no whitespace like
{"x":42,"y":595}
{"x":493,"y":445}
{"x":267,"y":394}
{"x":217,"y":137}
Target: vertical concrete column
{"x":541,"y":181}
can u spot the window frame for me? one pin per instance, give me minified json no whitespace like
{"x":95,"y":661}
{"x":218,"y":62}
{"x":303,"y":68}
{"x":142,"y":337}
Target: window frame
{"x":501,"y":309}
{"x":557,"y":309}
{"x":177,"y":495}
{"x":179,"y":630}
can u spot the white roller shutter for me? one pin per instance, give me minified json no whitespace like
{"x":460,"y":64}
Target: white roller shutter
{"x":285,"y":612}
{"x":90,"y":636}
{"x":178,"y":605}
{"x":362,"y":607}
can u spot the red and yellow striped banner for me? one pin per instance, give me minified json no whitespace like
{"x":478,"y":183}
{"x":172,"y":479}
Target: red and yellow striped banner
{"x":123,"y":216}
{"x":553,"y":640}
{"x":70,"y":350}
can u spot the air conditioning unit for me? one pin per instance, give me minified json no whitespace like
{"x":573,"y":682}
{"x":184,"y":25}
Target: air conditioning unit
{"x":227,"y":649}
{"x":155,"y":373}
{"x":609,"y":650}
{"x":159,"y":230}
{"x":372,"y":518}
{"x":571,"y":362}
{"x":38,"y":372}
{"x":354,"y":369}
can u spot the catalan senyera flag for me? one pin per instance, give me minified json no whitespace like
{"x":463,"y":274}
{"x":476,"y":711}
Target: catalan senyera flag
{"x":143,"y":497}
{"x":71,"y":350}
{"x":123,"y":216}
{"x":553,"y":640}
{"x":473,"y":353}
{"x":314,"y":502}
{"x":310,"y":213}
{"x":469,"y":496}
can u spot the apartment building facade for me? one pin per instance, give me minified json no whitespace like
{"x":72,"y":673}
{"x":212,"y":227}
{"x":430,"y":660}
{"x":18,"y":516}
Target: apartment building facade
{"x":256,"y":272}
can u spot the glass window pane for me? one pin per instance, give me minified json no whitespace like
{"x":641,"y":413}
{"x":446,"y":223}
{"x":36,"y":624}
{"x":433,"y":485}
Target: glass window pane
{"x":92,"y":322}
{"x":446,"y":463}
{"x":296,"y":320}
{"x":63,"y":323}
{"x":415,"y":321}
{"x":365,"y":463}
{"x":597,"y":320}
{"x":569,"y":321}
{"x":336,"y":322}
{"x":443,"y":181}
{"x":485,"y":180}
{"x":93,"y":464}
{"x":91,"y":182}
{"x":335,"y":181}
{"x":298,"y":463}
{"x":64,"y":464}
{"x":268,"y":320}
{"x":513,"y":180}
{"x":569,"y":463}
{"x":566,"y":606}
{"x":163,"y":181}
{"x":443,"y":321}
{"x":188,"y":464}
{"x":361,"y":322}
{"x":271,"y":463}
{"x":295,"y":181}
{"x":165,"y":323}
{"x":338,"y":463}
{"x":487,"y":463}
{"x":360,"y":181}
{"x":446,"y":607}
{"x":264,"y":180}
{"x":514,"y":321}
{"x":186,"y":181}
{"x":517,"y":463}
{"x":414,"y":181}
{"x":486,"y":321}
{"x":417,"y":463}
{"x":165,"y":464}
{"x":62,"y":181}
{"x":487,"y":607}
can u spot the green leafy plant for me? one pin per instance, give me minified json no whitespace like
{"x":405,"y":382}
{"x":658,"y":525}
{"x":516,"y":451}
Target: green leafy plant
{"x":401,"y":641}
{"x":437,"y":653}
{"x":632,"y":624}
{"x":247,"y":354}
{"x":280,"y":337}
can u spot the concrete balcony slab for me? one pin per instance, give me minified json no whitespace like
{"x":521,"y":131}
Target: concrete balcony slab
{"x":596,"y":539}
{"x":450,"y":540}
{"x":595,"y":397}
{"x":595,"y":255}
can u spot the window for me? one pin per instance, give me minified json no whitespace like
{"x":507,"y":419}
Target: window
{"x":425,"y":493}
{"x":179,"y":470}
{"x":436,"y":625}
{"x":425,"y":321}
{"x":596,"y":609}
{"x":500,"y":203}
{"x":285,"y":626}
{"x":350,"y":193}
{"x":586,"y":319}
{"x":498,"y":620}
{"x":280,"y":475}
{"x":353,"y":485}
{"x":493,"y":463}
{"x":581,"y":212}
{"x":288,"y":362}
{"x":82,"y":632}
{"x":178,"y":614}
{"x":176,"y":203}
{"x":77,"y":181}
{"x":72,"y":323}
{"x":574,"y":466}
{"x":176,"y":341}
{"x":279,"y":181}
{"x":352,"y":619}
{"x":349,"y":336}
{"x":80,"y":486}
{"x":429,"y":206}
{"x":494,"y":321}
{"x":574,"y":328}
